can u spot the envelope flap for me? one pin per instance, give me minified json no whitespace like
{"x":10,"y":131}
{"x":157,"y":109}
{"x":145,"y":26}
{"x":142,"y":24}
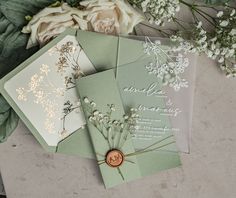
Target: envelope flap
{"x":134,"y":49}
{"x":101,"y":49}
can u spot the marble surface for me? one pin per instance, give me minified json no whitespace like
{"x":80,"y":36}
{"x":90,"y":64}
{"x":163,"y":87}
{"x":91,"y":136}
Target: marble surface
{"x":208,"y":172}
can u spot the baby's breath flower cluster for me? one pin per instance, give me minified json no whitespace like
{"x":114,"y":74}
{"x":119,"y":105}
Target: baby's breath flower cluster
{"x":197,"y":45}
{"x":222,"y":45}
{"x":157,"y":10}
{"x":114,"y":131}
{"x":219,"y":43}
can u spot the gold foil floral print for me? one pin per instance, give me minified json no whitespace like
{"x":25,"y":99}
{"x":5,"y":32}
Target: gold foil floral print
{"x":51,"y":85}
{"x":41,"y":87}
{"x":69,"y":57}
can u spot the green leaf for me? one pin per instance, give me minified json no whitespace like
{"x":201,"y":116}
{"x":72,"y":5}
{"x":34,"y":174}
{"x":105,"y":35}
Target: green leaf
{"x":8,"y":119}
{"x":4,"y":106}
{"x":73,"y":3}
{"x":8,"y":126}
{"x":4,"y":116}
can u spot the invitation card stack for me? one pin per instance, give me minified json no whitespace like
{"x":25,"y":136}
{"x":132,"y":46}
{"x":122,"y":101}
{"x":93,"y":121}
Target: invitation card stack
{"x":124,"y":101}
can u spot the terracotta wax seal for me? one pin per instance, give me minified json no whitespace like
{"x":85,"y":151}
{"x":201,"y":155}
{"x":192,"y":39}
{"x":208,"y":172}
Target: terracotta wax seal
{"x":114,"y":158}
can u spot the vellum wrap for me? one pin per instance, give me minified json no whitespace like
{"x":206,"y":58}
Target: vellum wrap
{"x":184,"y":98}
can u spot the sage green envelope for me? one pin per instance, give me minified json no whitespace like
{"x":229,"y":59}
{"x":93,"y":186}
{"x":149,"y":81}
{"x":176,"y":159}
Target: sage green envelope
{"x":77,"y":143}
{"x":77,"y":139}
{"x":156,"y":155}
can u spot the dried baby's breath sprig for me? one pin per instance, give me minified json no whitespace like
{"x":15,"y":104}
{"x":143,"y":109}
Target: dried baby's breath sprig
{"x":216,"y":38}
{"x":219,"y":43}
{"x":157,"y":11}
{"x":114,"y":131}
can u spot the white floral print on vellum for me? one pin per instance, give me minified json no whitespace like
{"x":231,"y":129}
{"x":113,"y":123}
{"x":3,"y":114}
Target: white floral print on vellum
{"x":167,"y":65}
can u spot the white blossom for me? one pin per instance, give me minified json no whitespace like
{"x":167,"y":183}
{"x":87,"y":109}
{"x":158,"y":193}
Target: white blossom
{"x":93,"y":104}
{"x":233,"y":32}
{"x":86,"y":100}
{"x":199,"y":25}
{"x":221,"y":60}
{"x":233,"y":12}
{"x":224,"y":23}
{"x":220,"y":14}
{"x":158,"y":11}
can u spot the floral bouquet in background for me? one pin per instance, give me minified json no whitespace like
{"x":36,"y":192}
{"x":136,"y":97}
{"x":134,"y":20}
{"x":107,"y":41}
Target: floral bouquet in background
{"x":216,"y":38}
{"x":104,"y":16}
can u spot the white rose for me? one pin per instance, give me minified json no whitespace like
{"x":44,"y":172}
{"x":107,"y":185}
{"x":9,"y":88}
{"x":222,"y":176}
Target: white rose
{"x":111,"y":16}
{"x":52,"y":21}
